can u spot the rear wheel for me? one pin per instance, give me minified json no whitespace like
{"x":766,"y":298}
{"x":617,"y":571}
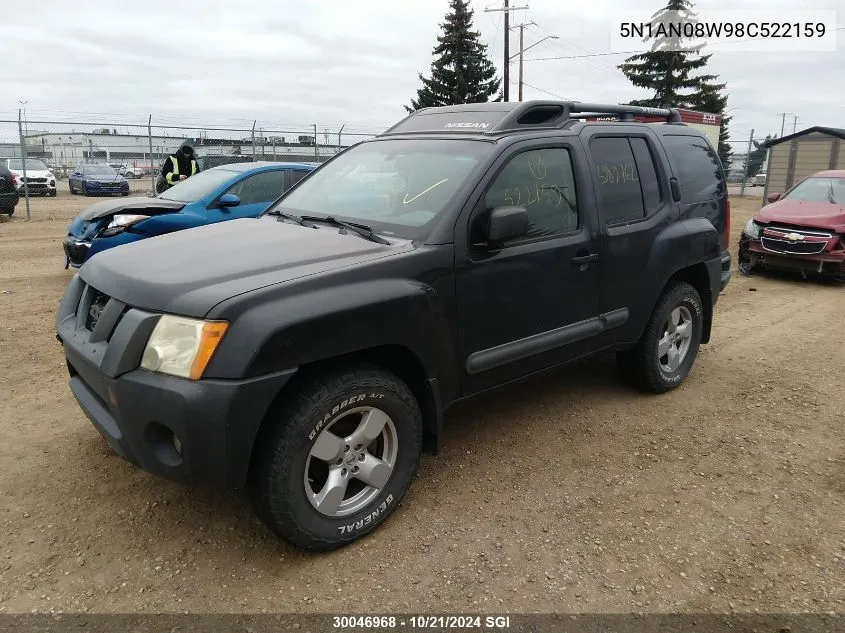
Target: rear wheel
{"x":340,"y":458}
{"x":667,"y":349}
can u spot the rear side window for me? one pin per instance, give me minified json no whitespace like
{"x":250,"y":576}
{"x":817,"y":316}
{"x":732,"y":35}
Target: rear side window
{"x":649,"y":182}
{"x":619,"y":180}
{"x":696,"y":166}
{"x":295,"y":175}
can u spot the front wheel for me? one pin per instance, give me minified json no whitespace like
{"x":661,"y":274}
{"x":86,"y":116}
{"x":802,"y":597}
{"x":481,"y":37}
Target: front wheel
{"x":667,"y":349}
{"x":339,"y":459}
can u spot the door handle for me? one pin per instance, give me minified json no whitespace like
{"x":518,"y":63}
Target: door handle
{"x":583,"y":260}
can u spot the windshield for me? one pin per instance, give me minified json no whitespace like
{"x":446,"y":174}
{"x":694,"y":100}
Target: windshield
{"x":394,"y":185}
{"x":198,"y":186}
{"x":98,"y":170}
{"x":34,"y":165}
{"x":830,"y":190}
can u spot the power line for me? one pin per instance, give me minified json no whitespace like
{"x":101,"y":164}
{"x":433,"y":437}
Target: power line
{"x":552,"y":94}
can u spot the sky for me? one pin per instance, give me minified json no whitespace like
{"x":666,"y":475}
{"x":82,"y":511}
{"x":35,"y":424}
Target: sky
{"x":289,"y":65}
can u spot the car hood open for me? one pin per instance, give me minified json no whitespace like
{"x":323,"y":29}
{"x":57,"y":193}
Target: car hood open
{"x":189,"y":272}
{"x":821,"y":215}
{"x":133,"y":205}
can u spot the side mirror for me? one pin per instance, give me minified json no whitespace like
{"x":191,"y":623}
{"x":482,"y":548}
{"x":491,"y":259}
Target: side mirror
{"x":774,"y":197}
{"x":507,"y":223}
{"x":229,"y":200}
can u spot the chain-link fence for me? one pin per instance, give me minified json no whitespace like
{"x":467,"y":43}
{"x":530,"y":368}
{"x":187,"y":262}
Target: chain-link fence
{"x":54,"y":150}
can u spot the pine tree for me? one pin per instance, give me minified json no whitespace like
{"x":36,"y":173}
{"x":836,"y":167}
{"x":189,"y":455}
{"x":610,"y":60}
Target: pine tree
{"x":668,"y":70}
{"x":711,"y":98}
{"x":461,"y":71}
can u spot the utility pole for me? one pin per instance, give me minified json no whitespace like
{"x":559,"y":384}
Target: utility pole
{"x":783,"y":122}
{"x":794,"y":123}
{"x":747,"y":161}
{"x":316,"y":150}
{"x":523,"y":48}
{"x":521,"y":53}
{"x":506,"y":75}
{"x":338,"y":136}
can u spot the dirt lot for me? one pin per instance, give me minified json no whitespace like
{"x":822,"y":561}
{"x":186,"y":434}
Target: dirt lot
{"x":569,"y":493}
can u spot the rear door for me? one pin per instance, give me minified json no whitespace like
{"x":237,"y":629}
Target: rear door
{"x":631,"y":183}
{"x":256,"y":192}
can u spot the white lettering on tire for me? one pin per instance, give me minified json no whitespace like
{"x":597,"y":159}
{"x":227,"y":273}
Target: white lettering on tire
{"x":339,"y":407}
{"x":360,"y":523}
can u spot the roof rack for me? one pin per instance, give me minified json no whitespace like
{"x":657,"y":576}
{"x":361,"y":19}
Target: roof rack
{"x":498,"y":117}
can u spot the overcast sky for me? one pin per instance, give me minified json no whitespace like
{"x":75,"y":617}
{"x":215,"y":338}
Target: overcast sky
{"x":291,"y":64}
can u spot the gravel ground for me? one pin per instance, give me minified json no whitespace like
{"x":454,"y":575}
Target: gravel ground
{"x":569,"y":493}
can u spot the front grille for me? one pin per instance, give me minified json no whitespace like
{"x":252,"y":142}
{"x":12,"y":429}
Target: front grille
{"x":33,"y":180}
{"x":794,"y":241}
{"x":95,"y":308}
{"x":98,"y":313}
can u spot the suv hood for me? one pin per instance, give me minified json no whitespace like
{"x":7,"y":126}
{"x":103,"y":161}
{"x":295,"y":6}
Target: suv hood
{"x":33,"y":173}
{"x":189,"y":272}
{"x":821,"y":215}
{"x":137,"y":204}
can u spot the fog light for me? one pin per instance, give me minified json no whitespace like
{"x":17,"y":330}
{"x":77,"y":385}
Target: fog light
{"x":177,"y":444}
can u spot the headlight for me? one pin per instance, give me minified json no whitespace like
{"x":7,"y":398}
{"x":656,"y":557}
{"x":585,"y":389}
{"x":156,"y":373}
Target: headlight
{"x":182,"y":347}
{"x":752,"y":230}
{"x":120,"y":223}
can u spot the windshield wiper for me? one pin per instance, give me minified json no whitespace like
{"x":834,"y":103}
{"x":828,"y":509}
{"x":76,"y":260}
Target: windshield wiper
{"x":290,"y":216}
{"x":361,"y":229}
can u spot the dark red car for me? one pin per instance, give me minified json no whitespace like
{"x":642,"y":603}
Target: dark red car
{"x":802,"y":229}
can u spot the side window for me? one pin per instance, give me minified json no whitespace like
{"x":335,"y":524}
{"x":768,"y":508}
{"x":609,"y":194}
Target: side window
{"x":649,"y":182}
{"x":543,"y":182}
{"x":697,"y":167}
{"x":621,"y":199}
{"x":263,"y":187}
{"x":295,"y":175}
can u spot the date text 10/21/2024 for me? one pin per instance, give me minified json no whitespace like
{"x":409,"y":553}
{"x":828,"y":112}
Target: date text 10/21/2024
{"x":422,"y":622}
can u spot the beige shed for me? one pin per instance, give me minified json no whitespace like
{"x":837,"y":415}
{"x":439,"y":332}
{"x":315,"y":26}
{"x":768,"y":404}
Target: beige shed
{"x":792,"y":158}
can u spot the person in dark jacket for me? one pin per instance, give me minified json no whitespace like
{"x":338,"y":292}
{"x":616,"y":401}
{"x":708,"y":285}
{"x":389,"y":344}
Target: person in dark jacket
{"x":178,"y":167}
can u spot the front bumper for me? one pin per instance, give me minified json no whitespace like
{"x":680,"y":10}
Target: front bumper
{"x":105,"y":189}
{"x":824,"y":263}
{"x":38,"y":188}
{"x":199,"y":432}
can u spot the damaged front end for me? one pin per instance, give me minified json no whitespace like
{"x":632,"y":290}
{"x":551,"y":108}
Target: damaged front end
{"x":110,"y":223}
{"x":815,"y":252}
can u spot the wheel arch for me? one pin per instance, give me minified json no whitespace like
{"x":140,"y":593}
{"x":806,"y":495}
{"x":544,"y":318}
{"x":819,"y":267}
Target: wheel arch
{"x":396,"y":359}
{"x":698,"y":277}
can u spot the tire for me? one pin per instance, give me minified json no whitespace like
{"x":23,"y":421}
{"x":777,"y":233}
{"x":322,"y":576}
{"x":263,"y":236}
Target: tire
{"x":289,"y":483}
{"x":644,"y":365}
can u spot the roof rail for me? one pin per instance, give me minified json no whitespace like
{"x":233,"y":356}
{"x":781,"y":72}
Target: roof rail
{"x":624,"y":112}
{"x":497,"y":117}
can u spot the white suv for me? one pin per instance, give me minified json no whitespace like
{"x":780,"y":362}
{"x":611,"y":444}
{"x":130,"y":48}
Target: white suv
{"x":40,"y":180}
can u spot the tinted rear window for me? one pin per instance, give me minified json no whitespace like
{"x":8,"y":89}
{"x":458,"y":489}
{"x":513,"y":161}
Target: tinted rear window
{"x":618,"y":180}
{"x":696,"y":166}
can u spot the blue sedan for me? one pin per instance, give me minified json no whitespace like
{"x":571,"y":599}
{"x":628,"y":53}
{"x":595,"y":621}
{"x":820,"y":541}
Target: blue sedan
{"x":240,"y":190}
{"x":97,"y":179}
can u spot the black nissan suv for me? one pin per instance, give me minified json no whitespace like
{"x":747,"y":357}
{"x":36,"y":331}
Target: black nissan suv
{"x":307,"y":356}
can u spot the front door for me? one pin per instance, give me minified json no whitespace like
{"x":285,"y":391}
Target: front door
{"x":533,"y":302}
